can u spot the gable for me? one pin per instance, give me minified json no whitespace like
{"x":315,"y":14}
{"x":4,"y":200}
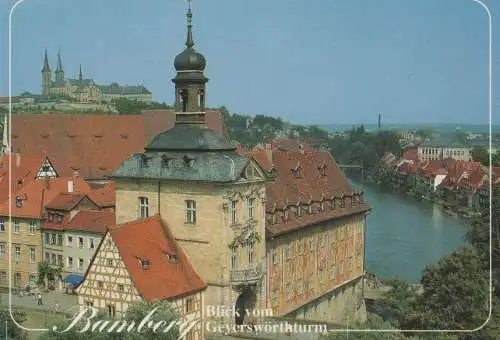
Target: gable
{"x":252,"y":172}
{"x":47,"y":170}
{"x":100,"y":271}
{"x":86,"y":204}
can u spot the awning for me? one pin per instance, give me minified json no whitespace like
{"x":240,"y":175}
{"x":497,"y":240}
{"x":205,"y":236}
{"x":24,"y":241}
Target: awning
{"x":73,"y":279}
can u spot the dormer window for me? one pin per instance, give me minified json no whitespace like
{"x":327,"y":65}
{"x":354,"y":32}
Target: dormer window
{"x":322,"y":170}
{"x":172,"y":258}
{"x":297,"y":172}
{"x":50,"y":217}
{"x":144,"y":161}
{"x":188,"y":161}
{"x":165,"y":161}
{"x":145,"y":264}
{"x":59,"y":219}
{"x":19,"y":202}
{"x":299,"y":210}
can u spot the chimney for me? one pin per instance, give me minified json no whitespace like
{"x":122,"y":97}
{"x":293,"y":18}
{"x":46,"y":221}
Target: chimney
{"x":76,"y":174}
{"x":269,"y":153}
{"x":70,"y":185}
{"x":18,"y":159}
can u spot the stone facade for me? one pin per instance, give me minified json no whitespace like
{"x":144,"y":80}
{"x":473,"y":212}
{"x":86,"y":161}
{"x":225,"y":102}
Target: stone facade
{"x":208,"y":241}
{"x":25,"y":251}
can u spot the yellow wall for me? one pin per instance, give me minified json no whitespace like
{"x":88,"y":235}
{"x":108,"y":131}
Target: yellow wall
{"x":207,"y":243}
{"x":26,"y":240}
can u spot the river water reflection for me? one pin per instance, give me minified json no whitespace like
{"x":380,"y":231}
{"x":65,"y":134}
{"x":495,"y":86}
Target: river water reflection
{"x":404,"y":235}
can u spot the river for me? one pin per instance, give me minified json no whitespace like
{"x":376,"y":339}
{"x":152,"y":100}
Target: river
{"x":404,"y":235}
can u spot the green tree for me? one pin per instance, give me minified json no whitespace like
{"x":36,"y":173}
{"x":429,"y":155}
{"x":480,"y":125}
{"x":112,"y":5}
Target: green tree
{"x":13,"y":331}
{"x":315,"y":131}
{"x":398,"y":302}
{"x":164,"y":312}
{"x":425,"y":133}
{"x":47,"y":273}
{"x":495,"y":158}
{"x":455,"y":294}
{"x":128,"y":106}
{"x":461,"y":137}
{"x":480,"y":154}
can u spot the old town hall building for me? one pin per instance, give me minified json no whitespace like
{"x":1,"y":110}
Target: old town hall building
{"x":267,"y":230}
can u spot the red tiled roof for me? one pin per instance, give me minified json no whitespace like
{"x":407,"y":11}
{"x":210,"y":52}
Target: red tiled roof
{"x":24,"y":170}
{"x":93,"y":145}
{"x":165,"y":279}
{"x":93,"y":221}
{"x":287,"y":144}
{"x":105,"y":196}
{"x":410,"y":153}
{"x":311,"y":185}
{"x":37,"y":194}
{"x":495,"y":171}
{"x":65,"y":201}
{"x":431,"y":168}
{"x":299,"y":222}
{"x":263,"y":157}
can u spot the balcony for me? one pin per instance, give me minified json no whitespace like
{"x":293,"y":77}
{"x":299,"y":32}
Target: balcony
{"x":248,"y":276}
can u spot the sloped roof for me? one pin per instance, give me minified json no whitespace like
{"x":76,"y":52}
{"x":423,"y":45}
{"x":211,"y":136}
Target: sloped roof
{"x":93,"y":221}
{"x":311,"y":185}
{"x":65,"y":201}
{"x":21,"y":175}
{"x":93,"y":145}
{"x":104,"y":196}
{"x":37,"y":194}
{"x":221,"y":166}
{"x":287,"y":144}
{"x":165,"y":279}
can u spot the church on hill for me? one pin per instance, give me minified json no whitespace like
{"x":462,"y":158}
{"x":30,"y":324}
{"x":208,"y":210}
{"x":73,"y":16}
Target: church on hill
{"x":85,"y":90}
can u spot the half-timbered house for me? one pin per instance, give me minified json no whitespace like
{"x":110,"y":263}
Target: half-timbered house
{"x":138,"y":261}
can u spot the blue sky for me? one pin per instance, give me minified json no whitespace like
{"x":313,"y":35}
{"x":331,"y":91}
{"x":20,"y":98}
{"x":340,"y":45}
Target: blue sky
{"x":314,"y":61}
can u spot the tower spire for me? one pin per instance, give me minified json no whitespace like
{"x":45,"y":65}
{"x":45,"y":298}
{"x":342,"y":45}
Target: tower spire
{"x":59,"y":62}
{"x":46,"y":66}
{"x":189,"y":16}
{"x":80,"y":76}
{"x":59,"y":70}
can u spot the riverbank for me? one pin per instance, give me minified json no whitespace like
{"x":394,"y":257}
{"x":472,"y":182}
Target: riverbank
{"x":449,"y":208}
{"x":404,"y":235}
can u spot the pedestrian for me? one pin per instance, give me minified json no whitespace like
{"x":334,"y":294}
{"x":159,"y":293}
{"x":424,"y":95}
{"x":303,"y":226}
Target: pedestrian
{"x":40,"y":301}
{"x":56,"y":307}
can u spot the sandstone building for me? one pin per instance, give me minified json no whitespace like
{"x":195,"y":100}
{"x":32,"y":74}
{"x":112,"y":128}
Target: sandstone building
{"x":211,"y":197}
